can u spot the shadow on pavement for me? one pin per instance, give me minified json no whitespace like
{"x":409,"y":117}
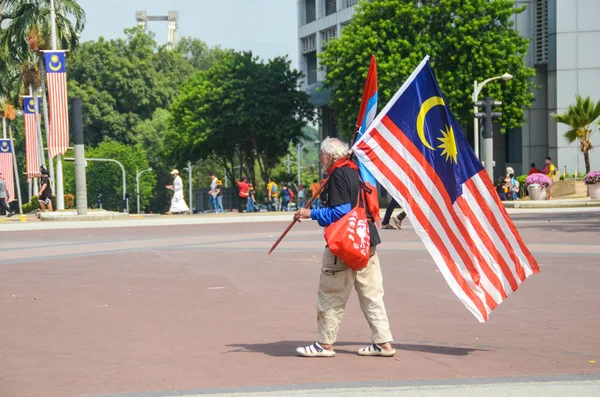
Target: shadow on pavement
{"x":286,"y":348}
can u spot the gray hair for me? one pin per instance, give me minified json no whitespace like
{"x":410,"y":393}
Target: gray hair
{"x":333,"y":147}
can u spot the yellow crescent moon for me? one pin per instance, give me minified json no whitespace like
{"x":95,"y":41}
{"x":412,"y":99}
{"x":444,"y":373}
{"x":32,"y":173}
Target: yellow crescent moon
{"x":425,"y":107}
{"x":31,"y":106}
{"x":54,"y":68}
{"x":4,"y":147}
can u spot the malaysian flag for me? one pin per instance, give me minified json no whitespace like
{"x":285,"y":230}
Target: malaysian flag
{"x":31,"y":138}
{"x":417,"y":151}
{"x":58,"y":138}
{"x":6,"y":167}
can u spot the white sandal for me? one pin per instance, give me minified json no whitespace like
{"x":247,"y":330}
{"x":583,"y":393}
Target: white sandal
{"x":314,"y":350}
{"x":375,"y":350}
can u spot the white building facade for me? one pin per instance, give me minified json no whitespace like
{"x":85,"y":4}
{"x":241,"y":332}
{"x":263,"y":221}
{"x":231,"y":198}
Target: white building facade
{"x":564,"y":50}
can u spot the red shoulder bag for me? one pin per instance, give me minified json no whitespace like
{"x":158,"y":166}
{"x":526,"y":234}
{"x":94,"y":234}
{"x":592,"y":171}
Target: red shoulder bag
{"x":349,"y":238}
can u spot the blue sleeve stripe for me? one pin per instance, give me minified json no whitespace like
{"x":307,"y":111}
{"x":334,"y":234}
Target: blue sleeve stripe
{"x":326,"y":216}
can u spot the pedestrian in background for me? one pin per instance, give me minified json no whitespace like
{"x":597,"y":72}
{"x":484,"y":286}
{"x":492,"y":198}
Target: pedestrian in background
{"x":251,"y":201}
{"x":219,"y":196}
{"x":178,"y":205}
{"x":4,"y":196}
{"x":272,"y":195}
{"x":385,"y":223}
{"x":550,"y":170}
{"x":314,"y":189}
{"x":45,"y":193}
{"x":242,"y":194}
{"x":301,"y":196}
{"x":285,"y":197}
{"x":212,"y":193}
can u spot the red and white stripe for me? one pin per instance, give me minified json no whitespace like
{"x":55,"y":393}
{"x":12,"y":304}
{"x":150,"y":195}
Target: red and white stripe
{"x":31,"y":146}
{"x":58,"y":139}
{"x":6,"y":167}
{"x":472,"y":241}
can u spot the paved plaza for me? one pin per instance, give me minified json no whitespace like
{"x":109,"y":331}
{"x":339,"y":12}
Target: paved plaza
{"x":198,"y":307}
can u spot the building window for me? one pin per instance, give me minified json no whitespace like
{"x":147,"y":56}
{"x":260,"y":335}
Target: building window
{"x":309,"y":43}
{"x":311,"y":68}
{"x":330,"y":7}
{"x":350,"y":3}
{"x":327,"y":35}
{"x":311,"y":11}
{"x":541,"y":32}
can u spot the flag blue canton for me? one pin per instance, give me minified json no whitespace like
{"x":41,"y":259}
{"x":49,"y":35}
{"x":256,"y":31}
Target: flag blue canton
{"x":5,"y":146}
{"x":422,"y":113}
{"x":55,"y":62}
{"x":29,"y":105}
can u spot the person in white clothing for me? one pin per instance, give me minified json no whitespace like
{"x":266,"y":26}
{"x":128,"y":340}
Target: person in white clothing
{"x":178,"y":204}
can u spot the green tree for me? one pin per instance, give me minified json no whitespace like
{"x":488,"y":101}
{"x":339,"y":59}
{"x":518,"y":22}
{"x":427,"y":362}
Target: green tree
{"x":124,"y":81}
{"x":106,"y":178}
{"x":579,"y":117}
{"x":238,"y":112}
{"x":466,"y":39}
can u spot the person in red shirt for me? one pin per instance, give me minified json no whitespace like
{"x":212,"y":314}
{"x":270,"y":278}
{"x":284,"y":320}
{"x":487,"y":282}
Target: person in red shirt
{"x":243,"y":194}
{"x":534,"y":170}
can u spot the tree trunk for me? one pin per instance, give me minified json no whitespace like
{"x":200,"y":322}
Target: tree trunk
{"x":586,"y":157}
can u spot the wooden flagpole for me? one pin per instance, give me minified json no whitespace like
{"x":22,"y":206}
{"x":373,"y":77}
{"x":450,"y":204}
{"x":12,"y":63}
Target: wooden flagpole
{"x":307,"y":205}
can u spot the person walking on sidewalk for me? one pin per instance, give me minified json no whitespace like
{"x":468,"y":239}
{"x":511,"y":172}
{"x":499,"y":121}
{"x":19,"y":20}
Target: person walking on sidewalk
{"x":337,"y":279}
{"x":385,"y":223}
{"x":45,"y":193}
{"x":301,"y":196}
{"x":4,"y":196}
{"x":242,"y":194}
{"x":178,"y":204}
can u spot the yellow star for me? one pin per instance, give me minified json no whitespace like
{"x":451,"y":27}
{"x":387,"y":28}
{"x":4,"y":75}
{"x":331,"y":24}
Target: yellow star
{"x":448,"y":144}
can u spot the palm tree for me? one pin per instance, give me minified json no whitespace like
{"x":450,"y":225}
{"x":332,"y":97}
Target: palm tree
{"x":27,"y":26}
{"x":579,"y":117}
{"x":27,"y":30}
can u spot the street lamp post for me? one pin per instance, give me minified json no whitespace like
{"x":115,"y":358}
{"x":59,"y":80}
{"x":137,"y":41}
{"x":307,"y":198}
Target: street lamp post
{"x":189,"y":170}
{"x":137,"y":186}
{"x":476,"y":91}
{"x":122,"y":169}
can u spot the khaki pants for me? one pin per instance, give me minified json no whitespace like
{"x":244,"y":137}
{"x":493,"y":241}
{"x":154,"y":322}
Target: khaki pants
{"x":335,"y":286}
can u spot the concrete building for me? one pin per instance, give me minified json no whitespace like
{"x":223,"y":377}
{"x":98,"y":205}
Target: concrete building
{"x":564,"y":50}
{"x":318,"y":22}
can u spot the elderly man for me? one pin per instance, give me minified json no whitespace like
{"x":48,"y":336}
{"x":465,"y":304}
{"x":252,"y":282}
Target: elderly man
{"x":337,"y":279}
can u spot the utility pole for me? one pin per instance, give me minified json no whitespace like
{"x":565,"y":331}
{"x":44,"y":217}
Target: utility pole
{"x":299,"y":163}
{"x":80,"y":163}
{"x":488,"y":116}
{"x":189,"y":170}
{"x":17,"y":181}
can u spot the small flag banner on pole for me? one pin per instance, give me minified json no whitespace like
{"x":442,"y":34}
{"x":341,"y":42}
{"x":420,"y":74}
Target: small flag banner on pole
{"x":366,"y":115}
{"x":419,"y":154}
{"x":31,"y":137}
{"x":58,"y":138}
{"x":6,"y":167}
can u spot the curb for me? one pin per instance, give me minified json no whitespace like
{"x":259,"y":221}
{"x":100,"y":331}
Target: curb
{"x":552,"y":204}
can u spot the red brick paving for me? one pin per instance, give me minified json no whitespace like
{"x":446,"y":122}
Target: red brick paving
{"x":190,"y":307}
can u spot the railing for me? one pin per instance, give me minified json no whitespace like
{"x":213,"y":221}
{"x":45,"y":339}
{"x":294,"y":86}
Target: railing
{"x":311,"y":77}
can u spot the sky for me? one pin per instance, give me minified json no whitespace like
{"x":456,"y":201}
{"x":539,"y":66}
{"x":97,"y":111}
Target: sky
{"x":268,"y":28}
